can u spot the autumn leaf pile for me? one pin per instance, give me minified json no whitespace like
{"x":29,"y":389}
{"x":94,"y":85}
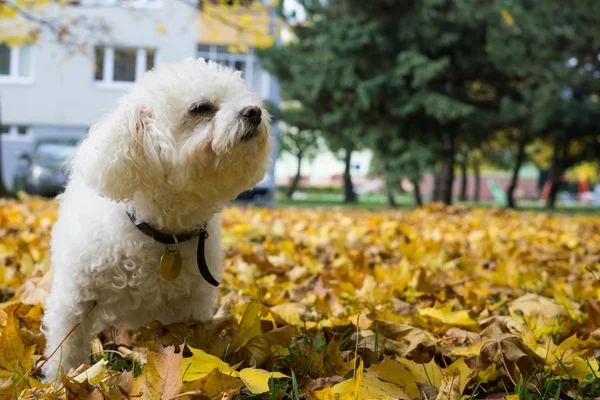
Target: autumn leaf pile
{"x":435,"y":303}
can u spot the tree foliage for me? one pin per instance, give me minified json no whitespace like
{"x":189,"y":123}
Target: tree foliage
{"x":450,"y":77}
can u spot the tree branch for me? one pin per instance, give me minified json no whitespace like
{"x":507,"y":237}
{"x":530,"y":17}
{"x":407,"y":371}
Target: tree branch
{"x":30,"y":16}
{"x":199,"y":6}
{"x":63,"y":31}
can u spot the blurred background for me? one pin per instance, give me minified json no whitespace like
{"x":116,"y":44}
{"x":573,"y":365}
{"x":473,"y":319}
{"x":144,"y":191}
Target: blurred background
{"x":376,"y":104}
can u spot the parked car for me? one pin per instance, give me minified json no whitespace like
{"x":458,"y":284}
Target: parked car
{"x":260,"y":195}
{"x":44,"y":172}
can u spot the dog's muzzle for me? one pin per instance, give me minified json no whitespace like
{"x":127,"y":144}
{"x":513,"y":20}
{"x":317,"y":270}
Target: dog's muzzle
{"x":252,"y":117}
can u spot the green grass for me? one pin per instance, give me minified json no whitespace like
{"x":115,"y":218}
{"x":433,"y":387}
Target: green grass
{"x":330,"y":199}
{"x":335,"y":200}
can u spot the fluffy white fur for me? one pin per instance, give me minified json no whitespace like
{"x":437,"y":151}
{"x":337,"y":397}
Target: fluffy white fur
{"x":151,"y":156}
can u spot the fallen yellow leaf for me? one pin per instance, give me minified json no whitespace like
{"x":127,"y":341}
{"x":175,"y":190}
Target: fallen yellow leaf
{"x":200,"y":364}
{"x":215,"y":384}
{"x":449,"y":317}
{"x":161,"y":378}
{"x":257,"y":380}
{"x":249,"y":326}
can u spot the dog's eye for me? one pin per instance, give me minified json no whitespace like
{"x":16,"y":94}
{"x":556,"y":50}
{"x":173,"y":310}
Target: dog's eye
{"x":202,"y":109}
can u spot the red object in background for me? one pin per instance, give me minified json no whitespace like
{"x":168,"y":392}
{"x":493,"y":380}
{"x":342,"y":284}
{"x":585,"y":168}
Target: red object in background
{"x":545,"y":191}
{"x":583,"y":187}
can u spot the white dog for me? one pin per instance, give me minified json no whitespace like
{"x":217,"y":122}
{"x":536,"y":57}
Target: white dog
{"x":185,"y":140}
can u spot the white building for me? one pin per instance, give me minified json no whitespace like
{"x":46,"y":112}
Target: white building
{"x":46,"y":93}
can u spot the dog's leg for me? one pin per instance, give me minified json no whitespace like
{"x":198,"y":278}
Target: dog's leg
{"x":59,"y":320}
{"x":203,"y":307}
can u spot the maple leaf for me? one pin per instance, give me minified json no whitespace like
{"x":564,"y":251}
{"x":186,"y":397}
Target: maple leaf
{"x":162,"y":376}
{"x":450,"y":387}
{"x":271,"y":344}
{"x":419,"y":345}
{"x":94,"y":374}
{"x":249,"y":326}
{"x":215,"y":384}
{"x":80,"y":387}
{"x":447,"y":316}
{"x":16,"y":356}
{"x":257,"y":380}
{"x":200,"y":364}
{"x":509,"y":352}
{"x":400,"y":374}
{"x":361,"y":386}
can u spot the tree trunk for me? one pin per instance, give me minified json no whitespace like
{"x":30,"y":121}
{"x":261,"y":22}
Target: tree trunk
{"x":435,"y":194}
{"x":294,"y":185}
{"x":390,"y":186}
{"x":447,"y":168}
{"x":477,"y":173}
{"x":349,"y":193}
{"x":463,"y":179}
{"x":391,"y":202}
{"x":559,"y":159}
{"x":3,"y":191}
{"x":417,"y":193}
{"x":514,"y":180}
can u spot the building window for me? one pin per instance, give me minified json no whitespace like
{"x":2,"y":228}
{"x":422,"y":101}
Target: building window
{"x":246,"y":62}
{"x":15,"y":63}
{"x":240,"y":61}
{"x":4,"y":60}
{"x":122,"y":65}
{"x":243,"y":3}
{"x":99,"y":65}
{"x":16,"y":131}
{"x":117,"y":3}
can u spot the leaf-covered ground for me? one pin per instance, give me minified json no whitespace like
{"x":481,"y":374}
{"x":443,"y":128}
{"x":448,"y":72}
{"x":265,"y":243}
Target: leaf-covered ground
{"x":436,"y":303}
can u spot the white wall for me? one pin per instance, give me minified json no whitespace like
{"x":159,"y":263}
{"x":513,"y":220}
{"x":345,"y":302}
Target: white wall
{"x":62,"y":99}
{"x":63,"y":92}
{"x":322,"y":168}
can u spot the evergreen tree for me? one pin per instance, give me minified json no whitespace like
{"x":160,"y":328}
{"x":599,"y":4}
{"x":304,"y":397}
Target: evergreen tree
{"x":550,"y":48}
{"x":447,"y":76}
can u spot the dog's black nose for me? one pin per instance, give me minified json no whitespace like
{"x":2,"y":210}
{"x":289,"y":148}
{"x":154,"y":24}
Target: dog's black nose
{"x":252,"y":114}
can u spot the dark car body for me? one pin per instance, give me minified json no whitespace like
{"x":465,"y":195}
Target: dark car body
{"x":44,"y":171}
{"x":262,"y":194}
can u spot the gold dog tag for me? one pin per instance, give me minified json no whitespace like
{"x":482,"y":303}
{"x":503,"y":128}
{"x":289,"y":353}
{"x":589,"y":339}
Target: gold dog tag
{"x":170,"y":264}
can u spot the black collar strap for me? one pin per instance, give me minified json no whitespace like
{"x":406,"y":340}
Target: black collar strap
{"x":166,"y":238}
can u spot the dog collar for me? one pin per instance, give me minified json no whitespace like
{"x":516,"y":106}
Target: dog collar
{"x":167,"y":239}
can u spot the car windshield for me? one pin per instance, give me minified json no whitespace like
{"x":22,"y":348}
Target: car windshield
{"x":53,"y":151}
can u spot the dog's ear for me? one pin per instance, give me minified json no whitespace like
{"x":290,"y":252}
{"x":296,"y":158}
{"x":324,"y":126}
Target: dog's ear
{"x":124,"y":153}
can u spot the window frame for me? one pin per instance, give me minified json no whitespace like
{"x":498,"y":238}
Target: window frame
{"x":108,"y":74}
{"x":213,"y":54}
{"x":13,"y":76}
